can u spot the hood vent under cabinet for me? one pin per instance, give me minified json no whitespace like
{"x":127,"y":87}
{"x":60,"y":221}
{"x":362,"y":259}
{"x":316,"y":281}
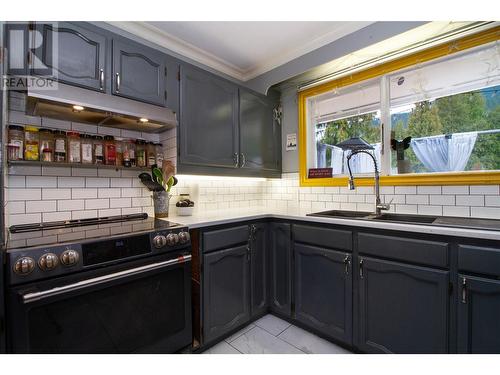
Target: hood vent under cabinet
{"x":99,"y":109}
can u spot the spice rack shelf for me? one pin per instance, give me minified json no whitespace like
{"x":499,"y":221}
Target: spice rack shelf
{"x":29,"y":163}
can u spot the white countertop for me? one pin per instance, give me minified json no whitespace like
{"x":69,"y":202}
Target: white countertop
{"x":218,"y":217}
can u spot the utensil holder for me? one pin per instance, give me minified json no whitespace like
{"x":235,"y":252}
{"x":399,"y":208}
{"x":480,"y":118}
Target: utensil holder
{"x":161,"y":200}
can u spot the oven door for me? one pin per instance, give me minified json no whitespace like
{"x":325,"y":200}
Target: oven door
{"x":143,"y":309}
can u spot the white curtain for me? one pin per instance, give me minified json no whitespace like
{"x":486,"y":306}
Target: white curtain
{"x":362,"y":163}
{"x":321,"y":155}
{"x":444,"y":153}
{"x":337,"y":160}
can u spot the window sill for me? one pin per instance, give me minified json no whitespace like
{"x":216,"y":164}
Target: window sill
{"x":414,"y":179}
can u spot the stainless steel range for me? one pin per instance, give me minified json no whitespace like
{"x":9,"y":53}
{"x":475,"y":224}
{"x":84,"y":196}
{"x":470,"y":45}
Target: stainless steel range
{"x":118,"y":284}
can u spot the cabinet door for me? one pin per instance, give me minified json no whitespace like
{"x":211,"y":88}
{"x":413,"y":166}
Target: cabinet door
{"x":208,"y":120}
{"x":258,"y":247}
{"x":280,"y":269}
{"x":323,"y":290}
{"x":478,"y":315}
{"x":402,"y":308}
{"x":74,"y":54}
{"x":138,"y":72}
{"x":226,"y":297}
{"x":260,"y":136}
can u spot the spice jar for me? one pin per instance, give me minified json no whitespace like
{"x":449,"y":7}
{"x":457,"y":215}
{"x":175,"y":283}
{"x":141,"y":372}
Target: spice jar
{"x":119,"y":144}
{"x":129,"y":153}
{"x":140,"y":152}
{"x":74,"y":147}
{"x":16,"y":142}
{"x":109,"y":150}
{"x":87,"y":145}
{"x":59,"y":146}
{"x":31,"y":140}
{"x":159,"y":154}
{"x":151,"y":152}
{"x":46,"y":145}
{"x":98,"y":149}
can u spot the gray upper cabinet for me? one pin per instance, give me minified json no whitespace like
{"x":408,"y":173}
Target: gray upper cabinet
{"x":402,"y":308}
{"x":208,"y":136}
{"x":258,"y":248}
{"x":478,"y":312}
{"x":280,"y":269}
{"x":260,"y":135}
{"x":226,"y":291}
{"x":72,"y":53}
{"x":139,"y":72}
{"x":323,"y":291}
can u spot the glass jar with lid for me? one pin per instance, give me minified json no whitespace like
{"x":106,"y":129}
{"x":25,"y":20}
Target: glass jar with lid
{"x":109,"y":150}
{"x":129,"y":153}
{"x":87,"y":145}
{"x":140,"y":153}
{"x":16,"y":142}
{"x":60,"y":146}
{"x":159,"y":154}
{"x":46,"y":145}
{"x":151,"y":154}
{"x":31,"y":140}
{"x":74,"y":147}
{"x":98,"y":152}
{"x":119,"y":144}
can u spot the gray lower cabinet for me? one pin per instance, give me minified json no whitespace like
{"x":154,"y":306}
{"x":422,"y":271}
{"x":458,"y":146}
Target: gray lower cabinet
{"x":259,"y":260}
{"x":280,"y":269}
{"x":478,"y":315}
{"x":323,"y":291}
{"x":138,"y":72}
{"x":226,"y":291}
{"x":402,"y":308}
{"x":260,"y":146}
{"x":208,"y":135}
{"x":71,"y":54}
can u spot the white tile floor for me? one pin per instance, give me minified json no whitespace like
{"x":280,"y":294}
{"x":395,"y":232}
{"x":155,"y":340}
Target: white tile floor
{"x":271,"y":335}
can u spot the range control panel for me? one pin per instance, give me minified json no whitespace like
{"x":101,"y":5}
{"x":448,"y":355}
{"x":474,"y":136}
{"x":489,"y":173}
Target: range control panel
{"x":37,"y":263}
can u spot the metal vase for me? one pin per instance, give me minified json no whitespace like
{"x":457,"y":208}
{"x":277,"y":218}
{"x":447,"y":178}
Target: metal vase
{"x":161,"y":201}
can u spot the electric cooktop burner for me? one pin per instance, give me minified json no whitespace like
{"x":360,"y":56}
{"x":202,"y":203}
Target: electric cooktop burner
{"x":60,"y":232}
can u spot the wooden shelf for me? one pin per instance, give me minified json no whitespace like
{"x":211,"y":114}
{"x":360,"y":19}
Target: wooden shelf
{"x":73,"y":165}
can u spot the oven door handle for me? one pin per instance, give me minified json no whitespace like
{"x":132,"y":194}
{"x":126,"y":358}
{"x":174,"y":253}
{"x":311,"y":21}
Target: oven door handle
{"x":35,"y":296}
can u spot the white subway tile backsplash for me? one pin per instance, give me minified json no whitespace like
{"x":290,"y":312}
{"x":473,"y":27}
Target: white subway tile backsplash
{"x":55,"y":171}
{"x":25,"y":170}
{"x":492,"y":200}
{"x":56,"y":216}
{"x":41,"y":181}
{"x":40,"y":206}
{"x":444,"y":200}
{"x":405,"y":190}
{"x":16,"y":181}
{"x":406,"y":209}
{"x":417,"y":199}
{"x":469,"y":200}
{"x":429,"y":189}
{"x":71,"y":205}
{"x":456,"y":211}
{"x":75,"y":215}
{"x":132,"y":192}
{"x":430,"y":210}
{"x":25,"y":219}
{"x":87,"y":193}
{"x":110,"y":212}
{"x":71,"y":182}
{"x":15,"y":207}
{"x":484,"y":189}
{"x":485,"y":212}
{"x":455,"y":189}
{"x":83,"y":172}
{"x":121,"y":182}
{"x":109,"y":193}
{"x":120,"y":202}
{"x":98,"y":182}
{"x":48,"y":194}
{"x":108,"y":173}
{"x":24,"y":194}
{"x":92,"y":204}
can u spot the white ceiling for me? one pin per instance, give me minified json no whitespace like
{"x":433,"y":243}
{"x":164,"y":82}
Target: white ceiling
{"x":242,"y":50}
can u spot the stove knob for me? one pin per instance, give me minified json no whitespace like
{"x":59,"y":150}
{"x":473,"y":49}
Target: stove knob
{"x":172,"y":239}
{"x":48,"y":261}
{"x":69,"y":257}
{"x":159,"y":241}
{"x":184,"y":237}
{"x":24,"y":266}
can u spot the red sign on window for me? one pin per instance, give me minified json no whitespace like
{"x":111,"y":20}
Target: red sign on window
{"x":320,"y":172}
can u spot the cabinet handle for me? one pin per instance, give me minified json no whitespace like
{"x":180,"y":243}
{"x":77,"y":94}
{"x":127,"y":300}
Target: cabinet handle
{"x":101,"y":79}
{"x":236,"y":159}
{"x":464,"y":290}
{"x":347,"y":263}
{"x":117,"y":82}
{"x":361,"y":274}
{"x":248,"y":253}
{"x":243,"y":160}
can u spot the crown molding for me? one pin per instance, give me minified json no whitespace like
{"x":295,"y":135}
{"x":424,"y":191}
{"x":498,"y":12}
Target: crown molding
{"x":175,"y":44}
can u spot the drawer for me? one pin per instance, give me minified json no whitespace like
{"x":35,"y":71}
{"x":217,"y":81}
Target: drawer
{"x":223,"y":238}
{"x":411,"y":250}
{"x":477,"y":259}
{"x":323,"y":237}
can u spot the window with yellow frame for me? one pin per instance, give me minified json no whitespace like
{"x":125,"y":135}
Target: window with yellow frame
{"x":432,"y":118}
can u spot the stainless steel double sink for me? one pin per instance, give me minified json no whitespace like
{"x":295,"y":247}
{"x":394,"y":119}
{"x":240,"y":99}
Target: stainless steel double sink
{"x":444,"y":221}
